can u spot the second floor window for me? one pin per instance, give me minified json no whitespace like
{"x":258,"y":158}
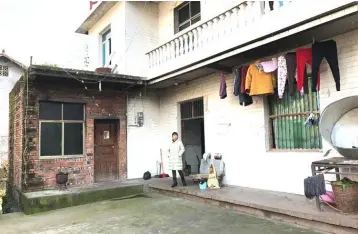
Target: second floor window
{"x":186,"y":14}
{"x":4,"y":70}
{"x":106,"y":47}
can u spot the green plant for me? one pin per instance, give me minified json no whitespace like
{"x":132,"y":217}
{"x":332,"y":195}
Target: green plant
{"x":345,"y":182}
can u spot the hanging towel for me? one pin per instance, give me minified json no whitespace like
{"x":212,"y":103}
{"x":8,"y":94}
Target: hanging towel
{"x":222,"y":91}
{"x":314,"y":186}
{"x":269,"y":66}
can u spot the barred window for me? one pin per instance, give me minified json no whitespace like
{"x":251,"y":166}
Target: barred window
{"x":4,"y":70}
{"x":287,"y":121}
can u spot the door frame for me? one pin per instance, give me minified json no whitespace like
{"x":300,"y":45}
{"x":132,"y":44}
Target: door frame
{"x":116,"y":122}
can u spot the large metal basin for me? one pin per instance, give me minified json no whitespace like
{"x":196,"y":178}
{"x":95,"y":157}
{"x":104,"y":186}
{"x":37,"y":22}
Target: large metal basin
{"x":334,"y":113}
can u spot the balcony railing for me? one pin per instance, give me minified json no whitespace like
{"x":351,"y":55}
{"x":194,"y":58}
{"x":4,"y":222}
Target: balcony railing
{"x":247,"y":21}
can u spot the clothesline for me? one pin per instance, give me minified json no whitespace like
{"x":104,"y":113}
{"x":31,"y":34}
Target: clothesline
{"x":285,"y":69}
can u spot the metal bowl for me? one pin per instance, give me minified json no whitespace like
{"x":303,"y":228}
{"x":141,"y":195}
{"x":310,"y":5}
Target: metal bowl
{"x":329,"y":117}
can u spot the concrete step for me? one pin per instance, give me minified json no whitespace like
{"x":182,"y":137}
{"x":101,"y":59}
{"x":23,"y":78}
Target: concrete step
{"x":289,"y":208}
{"x":36,"y":202}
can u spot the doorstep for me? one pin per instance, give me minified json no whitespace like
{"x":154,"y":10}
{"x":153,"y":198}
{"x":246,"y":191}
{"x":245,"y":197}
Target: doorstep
{"x":291,"y":208}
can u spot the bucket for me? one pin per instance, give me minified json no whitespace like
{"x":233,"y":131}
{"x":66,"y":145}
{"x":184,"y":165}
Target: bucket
{"x":332,"y":114}
{"x":202,"y":184}
{"x":346,"y":197}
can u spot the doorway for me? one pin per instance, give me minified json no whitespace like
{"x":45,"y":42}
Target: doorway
{"x":106,"y":150}
{"x":192,"y":131}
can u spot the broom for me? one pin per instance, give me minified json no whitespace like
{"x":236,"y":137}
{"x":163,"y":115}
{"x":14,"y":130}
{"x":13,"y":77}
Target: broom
{"x":162,"y":164}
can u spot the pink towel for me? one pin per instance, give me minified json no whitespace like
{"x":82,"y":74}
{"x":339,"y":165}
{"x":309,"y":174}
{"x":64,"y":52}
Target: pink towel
{"x":269,"y":66}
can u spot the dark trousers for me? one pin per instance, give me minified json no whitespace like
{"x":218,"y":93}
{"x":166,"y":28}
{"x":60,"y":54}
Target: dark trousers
{"x":328,"y":50}
{"x":181,"y":174}
{"x":291,"y":72}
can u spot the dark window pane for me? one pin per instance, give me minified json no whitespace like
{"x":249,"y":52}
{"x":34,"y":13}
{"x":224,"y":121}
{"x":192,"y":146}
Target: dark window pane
{"x":195,"y":8}
{"x":73,"y":139}
{"x":72,"y":111}
{"x":183,"y":14}
{"x":50,"y":110}
{"x":184,"y":26}
{"x":51,"y":139}
{"x":196,"y":19}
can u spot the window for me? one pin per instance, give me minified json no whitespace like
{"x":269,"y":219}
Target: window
{"x":186,"y":14}
{"x":4,"y":70}
{"x":287,"y":121}
{"x":106,"y":47}
{"x":61,"y":129}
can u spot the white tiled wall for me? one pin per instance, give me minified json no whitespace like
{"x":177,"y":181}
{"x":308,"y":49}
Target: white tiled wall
{"x":143,"y":148}
{"x":132,"y":36}
{"x":239,"y":132}
{"x":6,"y":85}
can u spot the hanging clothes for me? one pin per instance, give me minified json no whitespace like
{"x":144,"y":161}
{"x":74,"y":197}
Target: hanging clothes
{"x":244,"y":98}
{"x":237,"y":83}
{"x":244,"y":70}
{"x":291,"y":72}
{"x":222,"y":91}
{"x":269,"y":66}
{"x":303,"y":57}
{"x":328,"y":50}
{"x":259,"y":83}
{"x":314,"y":186}
{"x":281,"y":75}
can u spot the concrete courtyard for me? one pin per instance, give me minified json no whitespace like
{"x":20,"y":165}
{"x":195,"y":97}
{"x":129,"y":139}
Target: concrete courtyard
{"x":154,"y":214}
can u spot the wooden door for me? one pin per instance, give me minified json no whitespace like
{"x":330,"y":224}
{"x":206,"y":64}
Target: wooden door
{"x":105,"y":147}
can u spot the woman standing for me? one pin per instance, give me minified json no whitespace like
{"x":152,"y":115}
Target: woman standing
{"x":176,"y":151}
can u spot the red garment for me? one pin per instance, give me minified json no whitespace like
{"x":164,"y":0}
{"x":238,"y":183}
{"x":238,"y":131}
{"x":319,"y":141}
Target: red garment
{"x":92,"y":3}
{"x":243,"y":78}
{"x":303,"y":57}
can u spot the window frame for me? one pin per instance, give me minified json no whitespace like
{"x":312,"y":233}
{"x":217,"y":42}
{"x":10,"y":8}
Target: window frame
{"x":62,"y":121}
{"x":106,"y":40}
{"x":3,"y":69}
{"x":270,"y":117}
{"x":189,"y":20}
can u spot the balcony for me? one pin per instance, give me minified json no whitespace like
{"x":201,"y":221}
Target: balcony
{"x":245,"y":24}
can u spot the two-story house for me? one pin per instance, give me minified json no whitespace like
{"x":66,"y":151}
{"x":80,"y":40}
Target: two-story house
{"x":184,"y":48}
{"x":10,"y":72}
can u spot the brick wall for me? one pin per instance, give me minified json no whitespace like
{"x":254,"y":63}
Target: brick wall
{"x":16,"y":113}
{"x":41,"y":171}
{"x":240,"y":133}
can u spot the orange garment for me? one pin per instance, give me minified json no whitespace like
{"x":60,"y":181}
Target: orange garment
{"x":259,"y":83}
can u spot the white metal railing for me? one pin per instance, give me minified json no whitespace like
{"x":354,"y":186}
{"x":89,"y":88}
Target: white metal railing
{"x":210,"y":32}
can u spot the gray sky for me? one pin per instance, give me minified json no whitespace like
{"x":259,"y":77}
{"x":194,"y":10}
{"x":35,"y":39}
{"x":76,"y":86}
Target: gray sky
{"x":44,"y":29}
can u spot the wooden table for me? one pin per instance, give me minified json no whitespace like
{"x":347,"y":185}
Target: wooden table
{"x":333,"y":166}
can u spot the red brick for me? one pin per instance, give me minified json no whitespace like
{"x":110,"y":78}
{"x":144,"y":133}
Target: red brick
{"x":109,"y":103}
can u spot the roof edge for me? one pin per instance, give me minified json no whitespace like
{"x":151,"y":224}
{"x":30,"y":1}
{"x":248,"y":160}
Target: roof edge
{"x":21,"y":65}
{"x":95,"y":15}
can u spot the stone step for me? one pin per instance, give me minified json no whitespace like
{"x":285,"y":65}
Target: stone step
{"x":40,"y":201}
